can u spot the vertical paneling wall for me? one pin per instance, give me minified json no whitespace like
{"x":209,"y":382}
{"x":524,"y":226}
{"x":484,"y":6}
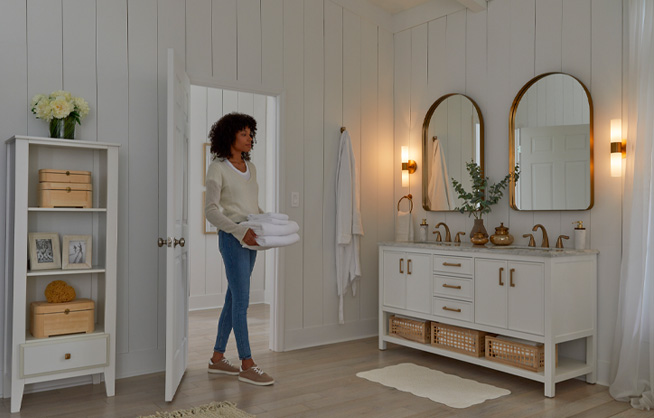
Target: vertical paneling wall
{"x":489,"y":56}
{"x":331,"y":67}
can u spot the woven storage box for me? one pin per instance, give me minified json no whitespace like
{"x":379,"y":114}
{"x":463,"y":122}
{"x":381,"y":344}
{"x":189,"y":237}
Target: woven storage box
{"x":48,"y":319}
{"x":461,"y":340}
{"x":524,"y":356}
{"x":410,"y":329}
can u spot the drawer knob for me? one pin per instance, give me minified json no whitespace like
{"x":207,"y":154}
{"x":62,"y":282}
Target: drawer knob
{"x":452,"y":264}
{"x":445,"y":308}
{"x":67,"y":356}
{"x":449,"y":286}
{"x":68,"y":173}
{"x":68,"y":189}
{"x":67,"y":311}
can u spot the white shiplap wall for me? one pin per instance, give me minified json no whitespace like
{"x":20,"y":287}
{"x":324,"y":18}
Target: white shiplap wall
{"x":489,"y":56}
{"x":330,"y":67}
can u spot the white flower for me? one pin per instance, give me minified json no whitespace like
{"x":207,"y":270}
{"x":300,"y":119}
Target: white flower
{"x":58,"y":105}
{"x":61,"y":107}
{"x":81,"y":106}
{"x":43,"y":110}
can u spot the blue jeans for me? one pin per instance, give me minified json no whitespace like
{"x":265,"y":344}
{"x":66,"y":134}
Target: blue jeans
{"x":239,"y":263}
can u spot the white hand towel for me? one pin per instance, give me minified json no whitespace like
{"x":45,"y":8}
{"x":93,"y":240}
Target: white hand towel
{"x":403,"y":227}
{"x":265,"y":228}
{"x":267,"y":215}
{"x":273,"y":241}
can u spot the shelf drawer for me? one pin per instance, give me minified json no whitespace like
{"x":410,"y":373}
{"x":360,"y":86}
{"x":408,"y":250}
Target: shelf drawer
{"x":457,"y":265}
{"x":46,"y":357}
{"x":456,"y":309}
{"x":453,"y":287}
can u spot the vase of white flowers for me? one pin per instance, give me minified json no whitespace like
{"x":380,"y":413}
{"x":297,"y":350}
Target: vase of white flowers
{"x":62,"y":111}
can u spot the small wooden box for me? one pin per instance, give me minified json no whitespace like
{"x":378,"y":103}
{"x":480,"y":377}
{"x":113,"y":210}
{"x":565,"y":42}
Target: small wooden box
{"x":50,"y":175}
{"x":48,"y":319}
{"x":65,"y":195}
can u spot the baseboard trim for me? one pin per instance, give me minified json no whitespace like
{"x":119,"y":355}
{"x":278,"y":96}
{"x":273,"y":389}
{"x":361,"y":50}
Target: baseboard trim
{"x":216,"y":300}
{"x":329,"y":334}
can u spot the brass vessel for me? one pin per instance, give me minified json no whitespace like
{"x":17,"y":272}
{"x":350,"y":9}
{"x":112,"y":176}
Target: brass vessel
{"x":501,"y":236}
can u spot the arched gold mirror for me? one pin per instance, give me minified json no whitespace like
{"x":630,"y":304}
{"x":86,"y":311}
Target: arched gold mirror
{"x":551,"y":139}
{"x":452,"y":135}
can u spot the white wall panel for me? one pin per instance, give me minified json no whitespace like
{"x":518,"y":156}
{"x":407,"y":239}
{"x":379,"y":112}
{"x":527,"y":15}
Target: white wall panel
{"x":224,"y":39}
{"x":272,"y":43}
{"x":419,"y":105}
{"x":248,"y":29}
{"x":198,"y":38}
{"x":549,"y":20}
{"x":385,"y":172}
{"x":402,"y":111}
{"x":314,"y":76}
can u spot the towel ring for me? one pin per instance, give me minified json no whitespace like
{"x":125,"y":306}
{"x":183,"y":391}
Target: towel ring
{"x":410,"y":197}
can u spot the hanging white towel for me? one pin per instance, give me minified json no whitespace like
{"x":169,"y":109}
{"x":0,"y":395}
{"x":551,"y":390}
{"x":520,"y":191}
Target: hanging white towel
{"x":266,"y":228}
{"x":273,"y":241}
{"x":440,"y":191}
{"x":349,"y":228}
{"x":403,"y":227}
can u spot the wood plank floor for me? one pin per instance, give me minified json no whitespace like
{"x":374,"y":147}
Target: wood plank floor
{"x":316,"y":382}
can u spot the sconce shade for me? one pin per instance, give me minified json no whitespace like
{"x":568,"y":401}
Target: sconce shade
{"x":616,"y":147}
{"x":408,"y":166}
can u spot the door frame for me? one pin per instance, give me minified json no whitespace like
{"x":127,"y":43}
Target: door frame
{"x":276,"y":340}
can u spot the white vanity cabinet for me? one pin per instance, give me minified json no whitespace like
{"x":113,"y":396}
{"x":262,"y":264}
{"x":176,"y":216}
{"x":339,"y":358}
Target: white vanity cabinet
{"x":546,"y":296}
{"x":509,"y":294}
{"x":31,"y":360}
{"x":407,"y":279}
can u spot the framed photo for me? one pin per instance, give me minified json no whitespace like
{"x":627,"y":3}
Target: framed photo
{"x":77,"y":252}
{"x":209,"y":228}
{"x":44,"y":252}
{"x":208,"y":157}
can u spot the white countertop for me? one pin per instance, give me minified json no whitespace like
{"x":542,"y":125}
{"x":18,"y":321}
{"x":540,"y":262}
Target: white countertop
{"x":490,"y":248}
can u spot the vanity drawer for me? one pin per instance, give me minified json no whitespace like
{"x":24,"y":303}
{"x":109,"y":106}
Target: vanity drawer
{"x":457,"y":265}
{"x":70,"y":354}
{"x":454,"y":287}
{"x":456,"y":309}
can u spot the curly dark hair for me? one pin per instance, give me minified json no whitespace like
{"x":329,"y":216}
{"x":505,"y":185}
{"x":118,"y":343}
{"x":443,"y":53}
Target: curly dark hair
{"x":223,"y":134}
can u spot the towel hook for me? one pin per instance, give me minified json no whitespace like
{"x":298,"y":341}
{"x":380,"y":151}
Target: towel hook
{"x":342,"y":129}
{"x":410,"y":197}
{"x":435,"y":138}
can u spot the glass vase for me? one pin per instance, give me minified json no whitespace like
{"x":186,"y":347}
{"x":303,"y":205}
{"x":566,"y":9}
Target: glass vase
{"x":478,"y":227}
{"x":62,"y":128}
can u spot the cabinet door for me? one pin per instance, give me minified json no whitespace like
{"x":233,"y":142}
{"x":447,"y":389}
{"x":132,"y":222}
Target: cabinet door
{"x":525,"y":305}
{"x":418,"y":283}
{"x":394,"y":276}
{"x":491,"y":282}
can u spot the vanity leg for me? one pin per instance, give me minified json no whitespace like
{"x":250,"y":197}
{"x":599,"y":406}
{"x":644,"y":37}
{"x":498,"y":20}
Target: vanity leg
{"x":550,"y":368}
{"x":383,"y":330}
{"x":591,"y":358}
{"x":17,"y":388}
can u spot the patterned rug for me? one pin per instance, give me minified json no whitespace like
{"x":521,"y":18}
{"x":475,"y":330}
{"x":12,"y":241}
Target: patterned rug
{"x":447,"y":389}
{"x":212,"y":410}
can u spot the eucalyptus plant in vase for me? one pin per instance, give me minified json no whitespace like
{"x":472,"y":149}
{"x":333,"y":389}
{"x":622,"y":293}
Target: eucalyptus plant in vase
{"x":483,"y":195}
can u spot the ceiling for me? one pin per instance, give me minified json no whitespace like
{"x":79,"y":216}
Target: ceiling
{"x":396,"y":6}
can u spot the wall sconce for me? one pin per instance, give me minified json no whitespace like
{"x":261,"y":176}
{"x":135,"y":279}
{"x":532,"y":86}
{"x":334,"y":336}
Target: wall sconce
{"x":408,"y":166}
{"x":618,"y":150}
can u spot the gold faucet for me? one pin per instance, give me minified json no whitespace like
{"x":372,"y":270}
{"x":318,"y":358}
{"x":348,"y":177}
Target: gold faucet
{"x":438,"y":236}
{"x":559,"y":242}
{"x":458,"y":236}
{"x":532,"y":243}
{"x":448,"y":237}
{"x":546,"y":241}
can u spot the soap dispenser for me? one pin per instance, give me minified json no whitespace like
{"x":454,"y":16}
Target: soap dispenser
{"x":422,"y":234}
{"x":580,"y":236}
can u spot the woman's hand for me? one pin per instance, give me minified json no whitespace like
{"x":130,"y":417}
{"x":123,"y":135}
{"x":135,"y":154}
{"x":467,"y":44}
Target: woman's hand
{"x":249,"y":238}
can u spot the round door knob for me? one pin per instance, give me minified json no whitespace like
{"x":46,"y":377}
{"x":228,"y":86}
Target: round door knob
{"x":180,"y":241}
{"x":162,"y":241}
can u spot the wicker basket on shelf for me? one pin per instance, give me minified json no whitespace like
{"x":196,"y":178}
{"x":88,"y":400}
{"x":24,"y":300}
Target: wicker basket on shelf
{"x":513,"y":353}
{"x":410,"y":329}
{"x":461,"y":340}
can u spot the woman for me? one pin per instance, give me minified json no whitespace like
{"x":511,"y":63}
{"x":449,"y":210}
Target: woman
{"x":232,"y":184}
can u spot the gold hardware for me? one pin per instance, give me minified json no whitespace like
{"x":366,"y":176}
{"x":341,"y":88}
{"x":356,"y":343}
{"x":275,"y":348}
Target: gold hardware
{"x":546,"y":241}
{"x":67,"y":311}
{"x":458,"y":235}
{"x":179,"y":242}
{"x":68,"y":173}
{"x":445,"y":308}
{"x":410,"y":197}
{"x":68,"y":189}
{"x":411,"y":166}
{"x":511,"y":278}
{"x":343,"y":129}
{"x":401,"y":261}
{"x":532,"y":242}
{"x":501,"y":270}
{"x":163,"y":241}
{"x":449,"y":286}
{"x":438,"y":236}
{"x":445,"y":263}
{"x":67,"y":356}
{"x":616,"y":147}
{"x":559,"y":241}
{"x":408,"y":266}
{"x":448,"y":237}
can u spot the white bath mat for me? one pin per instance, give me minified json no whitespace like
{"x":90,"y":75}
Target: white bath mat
{"x":448,"y":389}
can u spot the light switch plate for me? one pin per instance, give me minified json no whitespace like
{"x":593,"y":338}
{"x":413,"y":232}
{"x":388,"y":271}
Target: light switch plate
{"x":295,"y":199}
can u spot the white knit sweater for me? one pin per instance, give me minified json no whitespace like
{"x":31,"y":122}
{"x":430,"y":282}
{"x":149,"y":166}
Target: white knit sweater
{"x":237,"y":196}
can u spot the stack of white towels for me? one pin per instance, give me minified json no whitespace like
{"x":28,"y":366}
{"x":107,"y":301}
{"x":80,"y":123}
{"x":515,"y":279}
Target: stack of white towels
{"x":273,"y":230}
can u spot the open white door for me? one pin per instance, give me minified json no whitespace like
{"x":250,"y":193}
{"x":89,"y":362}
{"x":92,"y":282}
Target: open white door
{"x":177,"y":289}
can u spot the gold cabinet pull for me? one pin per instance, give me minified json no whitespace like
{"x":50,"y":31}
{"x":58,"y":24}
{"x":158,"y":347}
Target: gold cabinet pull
{"x":451,"y":264}
{"x":67,"y":356}
{"x":511,"y":278}
{"x":68,"y":189}
{"x":401,"y":266}
{"x":501,"y":270}
{"x":408,"y":266}
{"x":67,"y":311}
{"x":449,"y":286}
{"x":68,"y":173}
{"x":445,"y":308}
